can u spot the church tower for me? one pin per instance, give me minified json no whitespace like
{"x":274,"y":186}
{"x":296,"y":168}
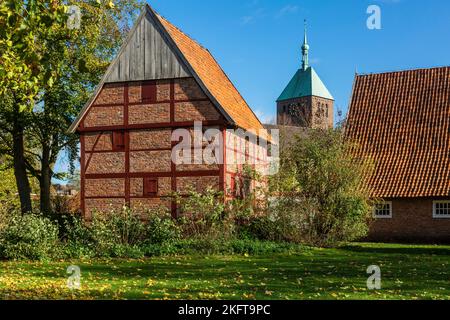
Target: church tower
{"x":306,"y":101}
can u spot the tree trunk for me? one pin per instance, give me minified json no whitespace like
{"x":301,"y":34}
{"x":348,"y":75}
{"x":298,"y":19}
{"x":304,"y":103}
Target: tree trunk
{"x":45,"y":181}
{"x":20,"y":169}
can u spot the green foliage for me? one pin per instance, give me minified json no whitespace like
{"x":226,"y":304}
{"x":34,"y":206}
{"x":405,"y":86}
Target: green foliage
{"x":319,"y":196}
{"x":116,"y":233}
{"x":161,"y":228}
{"x":28,"y":236}
{"x":203,"y":215}
{"x":47,"y":73}
{"x":76,"y":238}
{"x":8,"y":198}
{"x":27,"y":29}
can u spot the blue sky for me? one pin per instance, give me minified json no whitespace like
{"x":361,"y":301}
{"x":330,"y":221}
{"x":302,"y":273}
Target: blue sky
{"x":257,"y":42}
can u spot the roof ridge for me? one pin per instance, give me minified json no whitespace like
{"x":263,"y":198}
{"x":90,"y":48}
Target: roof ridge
{"x":236,"y":96}
{"x":402,"y":71}
{"x":181,"y":31}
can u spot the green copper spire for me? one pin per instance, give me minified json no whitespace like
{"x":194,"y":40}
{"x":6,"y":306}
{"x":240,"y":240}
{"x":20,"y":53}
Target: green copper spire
{"x":305,"y":52}
{"x":306,"y":82}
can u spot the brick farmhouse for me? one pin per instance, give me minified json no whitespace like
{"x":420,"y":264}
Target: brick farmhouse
{"x":400,"y":120}
{"x":160,"y":82}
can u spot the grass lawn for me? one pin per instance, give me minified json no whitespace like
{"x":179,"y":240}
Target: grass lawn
{"x":408,"y":272}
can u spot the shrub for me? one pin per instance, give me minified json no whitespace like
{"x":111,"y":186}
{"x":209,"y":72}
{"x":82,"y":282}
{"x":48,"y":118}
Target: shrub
{"x":76,"y":238}
{"x":161,"y":228}
{"x":203,"y":215}
{"x":30,"y":236}
{"x":113,"y":231}
{"x":319,"y":195}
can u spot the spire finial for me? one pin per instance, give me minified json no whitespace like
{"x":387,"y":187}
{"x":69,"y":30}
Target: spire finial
{"x":305,"y":50}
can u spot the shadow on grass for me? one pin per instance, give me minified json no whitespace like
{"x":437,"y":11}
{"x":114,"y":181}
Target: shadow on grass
{"x":403,"y":250}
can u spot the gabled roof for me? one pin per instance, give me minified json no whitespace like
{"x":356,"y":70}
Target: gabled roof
{"x":193,"y":60}
{"x":402,"y":121}
{"x":305,"y":83}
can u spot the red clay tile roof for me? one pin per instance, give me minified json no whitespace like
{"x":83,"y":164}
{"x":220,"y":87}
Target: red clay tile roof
{"x":214,"y":78}
{"x":402,"y":120}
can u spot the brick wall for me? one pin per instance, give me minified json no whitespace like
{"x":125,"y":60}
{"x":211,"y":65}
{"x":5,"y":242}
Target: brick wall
{"x":148,"y":113}
{"x":150,"y":161}
{"x":412,"y":220}
{"x":105,"y":188}
{"x":311,"y":112}
{"x":199,"y":184}
{"x":152,"y":113}
{"x":105,"y":163}
{"x":195,"y":111}
{"x":187,"y":89}
{"x":102,"y":141}
{"x":111,"y":94}
{"x":104,"y":116}
{"x":150,"y":139}
{"x":137,"y":187}
{"x":162,"y":91}
{"x":241,"y":153}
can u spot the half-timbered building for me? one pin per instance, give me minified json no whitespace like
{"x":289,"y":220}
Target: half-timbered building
{"x":160,"y":82}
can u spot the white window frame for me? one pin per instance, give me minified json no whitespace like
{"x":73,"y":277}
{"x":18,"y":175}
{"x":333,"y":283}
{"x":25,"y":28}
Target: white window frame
{"x":436,"y":216}
{"x":383,"y":217}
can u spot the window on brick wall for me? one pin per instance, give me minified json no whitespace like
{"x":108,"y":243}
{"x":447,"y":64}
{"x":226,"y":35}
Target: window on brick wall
{"x":441,"y":209}
{"x":118,"y":139}
{"x":233,"y":186}
{"x":150,"y":187}
{"x":383,"y":210}
{"x":149,"y":92}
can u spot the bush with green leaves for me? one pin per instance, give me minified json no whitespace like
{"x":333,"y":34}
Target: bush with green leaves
{"x":28,"y":237}
{"x":161,"y":228}
{"x":117,"y":233}
{"x":76,"y":237}
{"x":319,"y":196}
{"x":203,"y":215}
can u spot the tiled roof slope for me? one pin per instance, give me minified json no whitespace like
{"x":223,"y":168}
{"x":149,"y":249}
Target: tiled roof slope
{"x":401,"y":121}
{"x":214,"y":78}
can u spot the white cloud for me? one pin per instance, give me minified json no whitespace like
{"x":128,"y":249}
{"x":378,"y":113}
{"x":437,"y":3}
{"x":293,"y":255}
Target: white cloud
{"x":288,"y":9}
{"x":257,"y":14}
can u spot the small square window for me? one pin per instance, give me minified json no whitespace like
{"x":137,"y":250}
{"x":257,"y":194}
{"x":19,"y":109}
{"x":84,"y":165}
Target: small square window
{"x":441,"y":209}
{"x":150,"y":187}
{"x":149,"y":92}
{"x":118,"y":139}
{"x":383,"y":210}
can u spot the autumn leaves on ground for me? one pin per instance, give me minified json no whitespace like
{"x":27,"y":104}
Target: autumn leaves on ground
{"x":408,"y":272}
